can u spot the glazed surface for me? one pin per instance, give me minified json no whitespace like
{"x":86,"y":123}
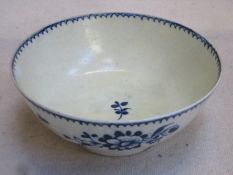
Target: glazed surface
{"x":83,"y":69}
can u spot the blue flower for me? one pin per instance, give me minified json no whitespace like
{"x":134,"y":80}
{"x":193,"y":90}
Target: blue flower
{"x":123,"y":141}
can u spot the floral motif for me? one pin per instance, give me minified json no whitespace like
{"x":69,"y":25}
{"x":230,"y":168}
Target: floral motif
{"x":119,"y":108}
{"x":124,"y":140}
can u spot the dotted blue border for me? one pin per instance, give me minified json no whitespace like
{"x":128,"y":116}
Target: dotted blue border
{"x":161,"y":21}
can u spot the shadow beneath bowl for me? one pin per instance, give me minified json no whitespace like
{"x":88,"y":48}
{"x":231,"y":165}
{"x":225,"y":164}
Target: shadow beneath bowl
{"x":47,"y":153}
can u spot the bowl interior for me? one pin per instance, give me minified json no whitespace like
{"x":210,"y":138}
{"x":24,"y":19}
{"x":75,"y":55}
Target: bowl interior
{"x":116,"y":68}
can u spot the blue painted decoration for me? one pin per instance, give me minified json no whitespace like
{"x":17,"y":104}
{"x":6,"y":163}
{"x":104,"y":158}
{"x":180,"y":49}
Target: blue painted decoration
{"x":124,"y":140}
{"x":120,"y":109}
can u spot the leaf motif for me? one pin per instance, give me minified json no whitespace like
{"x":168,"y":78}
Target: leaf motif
{"x":128,"y":133}
{"x":114,"y":106}
{"x":124,"y":112}
{"x":106,"y":136}
{"x":159,"y":130}
{"x":144,"y":136}
{"x":117,"y":103}
{"x":118,"y":112}
{"x":174,"y":128}
{"x":101,"y":139}
{"x":137,"y":133}
{"x":118,"y":133}
{"x":124,"y":103}
{"x":85,"y":135}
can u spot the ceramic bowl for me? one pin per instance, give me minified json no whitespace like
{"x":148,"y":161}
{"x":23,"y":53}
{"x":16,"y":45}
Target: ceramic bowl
{"x":116,"y":83}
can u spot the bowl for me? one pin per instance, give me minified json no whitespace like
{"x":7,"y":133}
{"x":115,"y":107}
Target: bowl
{"x":116,"y":83}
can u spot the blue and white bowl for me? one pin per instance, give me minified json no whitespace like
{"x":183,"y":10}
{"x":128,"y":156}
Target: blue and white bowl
{"x":116,"y":83}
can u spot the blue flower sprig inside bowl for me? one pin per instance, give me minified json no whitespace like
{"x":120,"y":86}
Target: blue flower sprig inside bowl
{"x":116,"y":83}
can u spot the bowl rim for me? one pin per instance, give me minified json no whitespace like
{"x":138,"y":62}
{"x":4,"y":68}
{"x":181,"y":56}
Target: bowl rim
{"x":154,"y":119}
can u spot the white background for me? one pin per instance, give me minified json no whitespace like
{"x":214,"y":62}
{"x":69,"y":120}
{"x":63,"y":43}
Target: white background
{"x":204,"y":147}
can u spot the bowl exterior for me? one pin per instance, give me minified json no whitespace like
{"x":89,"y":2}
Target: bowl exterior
{"x":115,"y":139}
